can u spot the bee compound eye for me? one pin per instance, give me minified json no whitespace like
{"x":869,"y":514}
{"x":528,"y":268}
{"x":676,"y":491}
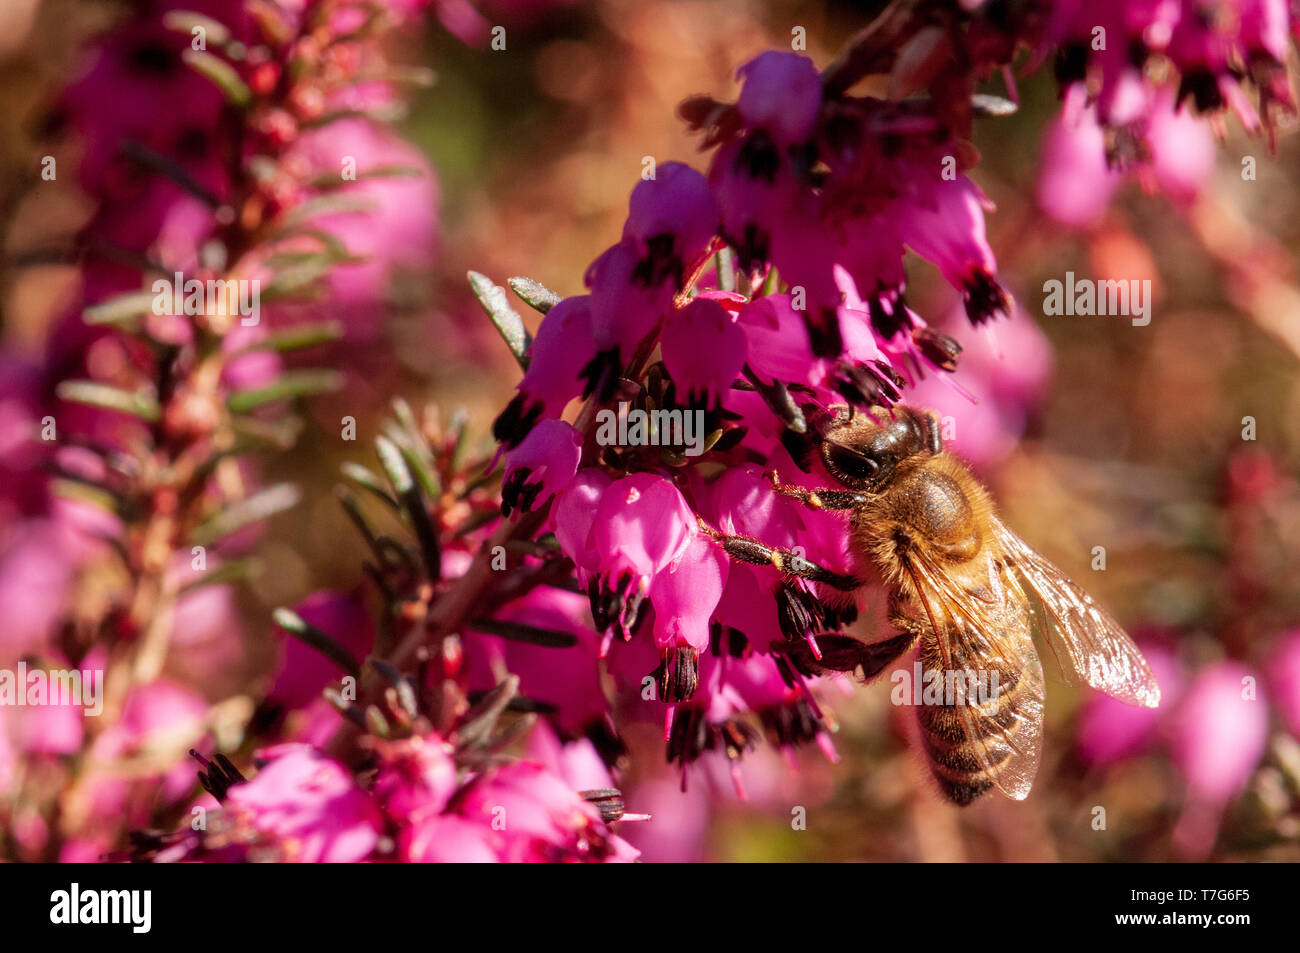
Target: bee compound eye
{"x":852,"y":465}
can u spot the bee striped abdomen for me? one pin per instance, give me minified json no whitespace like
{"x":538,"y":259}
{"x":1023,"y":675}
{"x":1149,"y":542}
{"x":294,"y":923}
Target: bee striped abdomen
{"x":964,"y":732}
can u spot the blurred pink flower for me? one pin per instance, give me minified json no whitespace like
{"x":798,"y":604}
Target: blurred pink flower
{"x":1110,"y":730}
{"x":1285,"y":671}
{"x":309,"y":805}
{"x":1217,"y":736}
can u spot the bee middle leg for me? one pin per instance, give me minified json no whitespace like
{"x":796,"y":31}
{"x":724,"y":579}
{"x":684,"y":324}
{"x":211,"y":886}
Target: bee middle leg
{"x":822,"y":499}
{"x":787,"y":561}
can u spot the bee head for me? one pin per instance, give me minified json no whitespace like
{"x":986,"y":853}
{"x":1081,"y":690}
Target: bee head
{"x":862,"y":453}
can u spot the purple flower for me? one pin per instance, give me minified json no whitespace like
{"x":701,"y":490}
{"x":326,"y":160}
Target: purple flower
{"x":671,"y":217}
{"x":782,"y":95}
{"x":308,"y":806}
{"x":1285,"y":668}
{"x":642,"y":526}
{"x":1218,"y":733}
{"x":561,"y":350}
{"x":704,"y":349}
{"x":1110,"y":731}
{"x":542,"y":465}
{"x":534,"y":817}
{"x":416,"y":778}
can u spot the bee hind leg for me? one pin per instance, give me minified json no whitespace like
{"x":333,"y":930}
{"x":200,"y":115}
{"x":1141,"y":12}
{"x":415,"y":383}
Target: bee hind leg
{"x":877,"y":656}
{"x":787,"y":561}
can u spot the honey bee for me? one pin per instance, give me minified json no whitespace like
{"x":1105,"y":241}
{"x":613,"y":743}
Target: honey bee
{"x":964,"y":586}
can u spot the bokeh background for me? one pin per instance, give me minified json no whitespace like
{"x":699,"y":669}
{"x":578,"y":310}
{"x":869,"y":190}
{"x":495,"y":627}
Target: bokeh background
{"x":1091,"y":432}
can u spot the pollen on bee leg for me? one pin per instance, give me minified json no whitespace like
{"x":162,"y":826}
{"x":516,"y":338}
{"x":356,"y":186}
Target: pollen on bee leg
{"x":815,"y":501}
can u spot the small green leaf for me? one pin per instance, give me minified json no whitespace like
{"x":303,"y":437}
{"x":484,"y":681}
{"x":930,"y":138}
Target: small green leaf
{"x":321,"y":641}
{"x":725,"y":264}
{"x":290,"y":385}
{"x":481,"y":720}
{"x":535,"y":294}
{"x":506,"y":319}
{"x":222,"y":74}
{"x":93,"y":394}
{"x":778,"y":398}
{"x":236,"y":570}
{"x":369,"y":480}
{"x":260,"y":506}
{"x":122,"y":310}
{"x":394,"y":464}
{"x":334,"y":180}
{"x":302,"y":336}
{"x":986,"y":104}
{"x":522,"y":632}
{"x":184,"y":21}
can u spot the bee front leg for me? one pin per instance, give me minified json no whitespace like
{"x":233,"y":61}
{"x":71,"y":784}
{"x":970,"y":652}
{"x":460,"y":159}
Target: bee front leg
{"x":787,"y":561}
{"x":823,"y":499}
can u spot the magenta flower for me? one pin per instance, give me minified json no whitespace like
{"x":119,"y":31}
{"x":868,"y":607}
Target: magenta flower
{"x":575,"y":515}
{"x":945,"y":225}
{"x":565,"y":680}
{"x":541,"y":466}
{"x":1110,"y":731}
{"x":684,"y":598}
{"x":448,"y":839}
{"x":416,"y":777}
{"x":670,"y":218}
{"x":1285,"y":668}
{"x":782,"y":95}
{"x":308,"y":807}
{"x":1217,"y":737}
{"x":642,"y":526}
{"x":704,"y":349}
{"x":559,"y":353}
{"x":1075,"y":182}
{"x":535,"y":817}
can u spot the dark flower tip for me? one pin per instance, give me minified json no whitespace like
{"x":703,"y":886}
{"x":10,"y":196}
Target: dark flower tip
{"x":939,"y":349}
{"x":601,"y":374}
{"x":678,"y":674}
{"x":824,"y":332}
{"x":799,"y":612}
{"x":517,"y":493}
{"x":793,"y":724}
{"x":513,"y":424}
{"x":868,"y":384}
{"x":985,"y":298}
{"x":662,"y":262}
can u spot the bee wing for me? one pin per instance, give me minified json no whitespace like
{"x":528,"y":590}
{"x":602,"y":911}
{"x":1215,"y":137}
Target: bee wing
{"x":1097,"y":647}
{"x":988,"y":628}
